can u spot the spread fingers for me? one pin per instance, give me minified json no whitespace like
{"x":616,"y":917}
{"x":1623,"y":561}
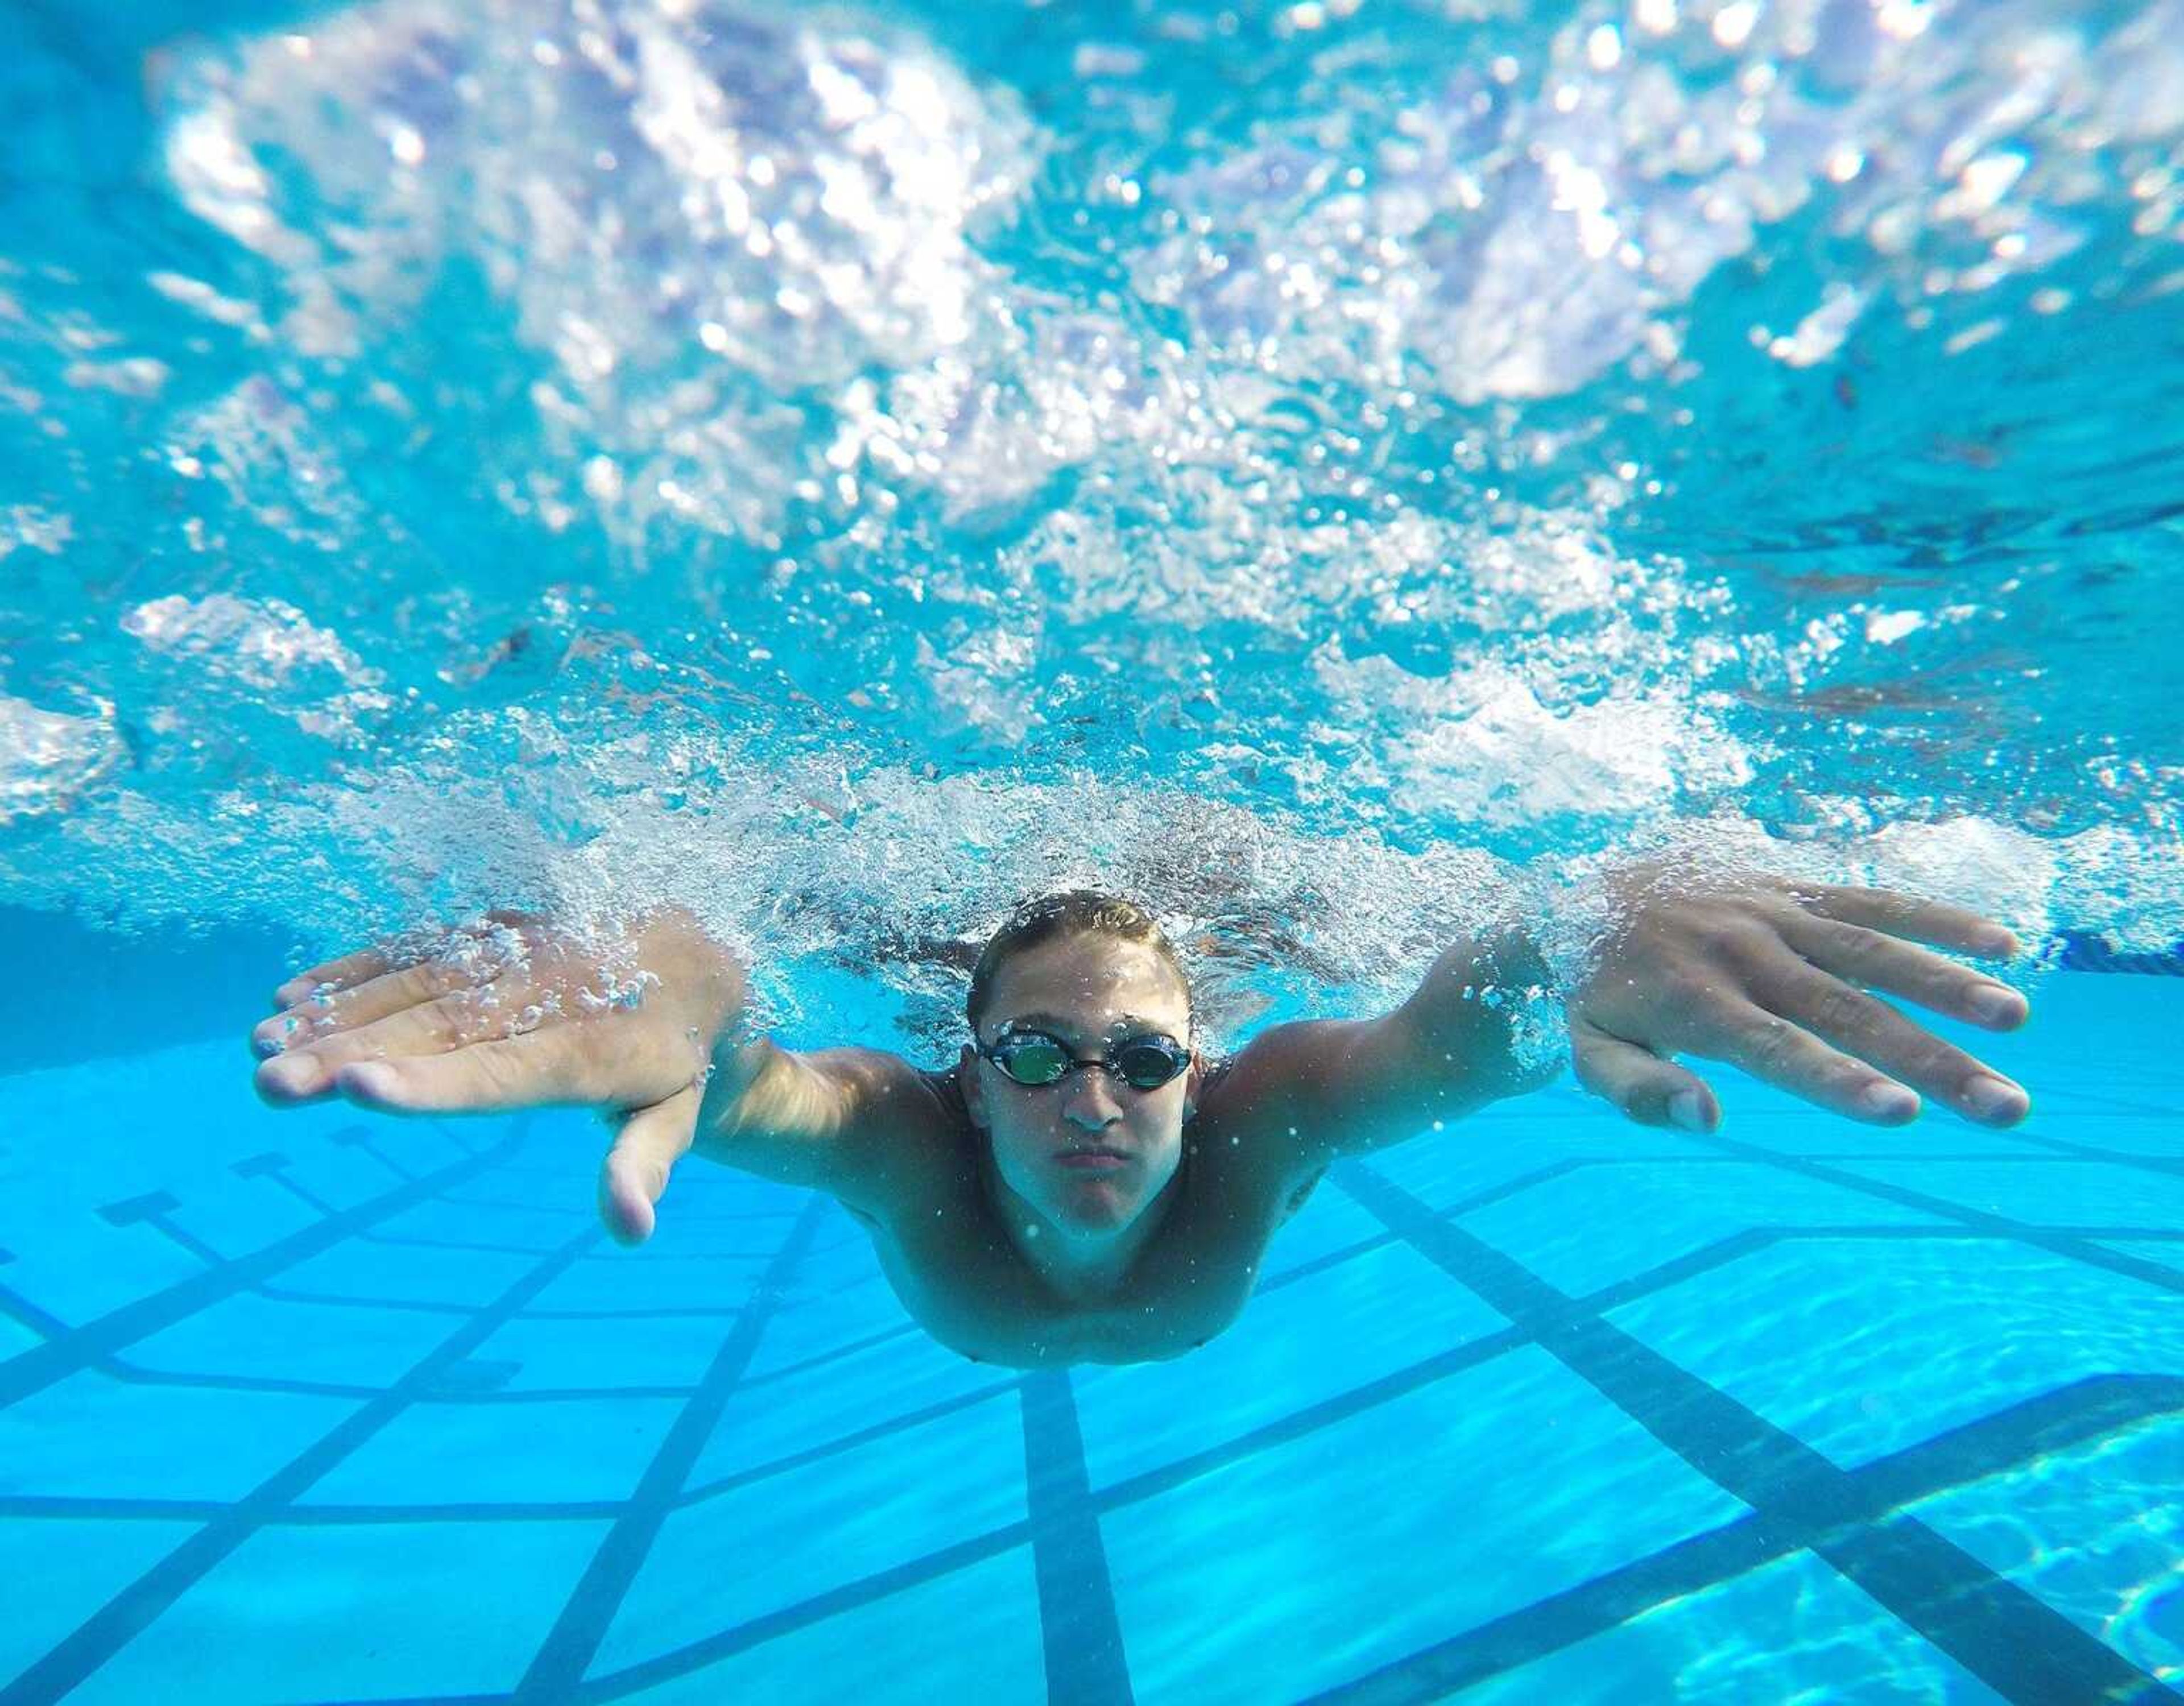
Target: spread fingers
{"x":1876,"y":961}
{"x":439,"y":1026}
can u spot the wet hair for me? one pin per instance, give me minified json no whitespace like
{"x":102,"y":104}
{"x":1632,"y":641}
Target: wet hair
{"x":1050,"y":918}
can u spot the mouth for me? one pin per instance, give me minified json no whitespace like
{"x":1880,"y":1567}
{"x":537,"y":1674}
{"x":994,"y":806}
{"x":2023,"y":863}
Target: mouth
{"x":1093,"y":1159}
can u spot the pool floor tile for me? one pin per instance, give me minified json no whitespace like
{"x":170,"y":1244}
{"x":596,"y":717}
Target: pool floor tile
{"x":406,"y":1273}
{"x":1590,"y":1228}
{"x":1792,"y":1631}
{"x":1396,"y":1310}
{"x":59,"y":1569}
{"x":1861,"y":1347}
{"x":1330,"y":1556}
{"x":2052,"y":1192}
{"x":605,"y":1355}
{"x":273,"y":1340}
{"x":972,"y":1635}
{"x":1444,"y":1168}
{"x":92,"y":1436}
{"x":767,"y":1420}
{"x":313,"y":1612}
{"x":2096,"y":1531}
{"x":634,"y":1281}
{"x":552,"y":1450}
{"x":773,"y":1543}
{"x":1328,"y":1222}
{"x":810,"y":1322}
{"x":438,"y":1220}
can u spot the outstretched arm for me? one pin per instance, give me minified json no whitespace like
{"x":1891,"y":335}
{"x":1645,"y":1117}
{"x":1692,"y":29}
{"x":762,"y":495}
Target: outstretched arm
{"x":512,"y":1013}
{"x":1770,"y":976}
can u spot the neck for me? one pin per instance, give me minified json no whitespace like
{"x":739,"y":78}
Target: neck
{"x":1087,"y":1268}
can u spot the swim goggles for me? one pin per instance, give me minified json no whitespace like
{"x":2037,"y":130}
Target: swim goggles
{"x":1035,"y":1059}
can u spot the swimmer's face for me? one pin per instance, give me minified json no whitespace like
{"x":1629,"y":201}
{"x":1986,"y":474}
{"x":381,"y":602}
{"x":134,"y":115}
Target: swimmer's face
{"x":1087,"y":992}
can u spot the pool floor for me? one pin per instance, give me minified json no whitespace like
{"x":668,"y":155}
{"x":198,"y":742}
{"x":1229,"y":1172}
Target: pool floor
{"x":321,"y":1408}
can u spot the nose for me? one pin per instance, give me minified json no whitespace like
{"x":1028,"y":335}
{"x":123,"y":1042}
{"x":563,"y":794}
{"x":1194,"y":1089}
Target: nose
{"x":1090,"y":1103}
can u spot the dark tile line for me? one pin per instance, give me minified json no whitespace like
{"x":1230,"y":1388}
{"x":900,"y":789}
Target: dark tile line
{"x":834,"y":1602}
{"x":849,"y":1441}
{"x":285,"y":1386}
{"x":722,"y":1256}
{"x":134,"y":1609}
{"x":2171,"y":1165}
{"x":21,"y":1308}
{"x":562,"y":1395}
{"x":310,"y":1199}
{"x":723,"y":1312}
{"x":305,"y":1514}
{"x":453,"y":1132}
{"x":2124,"y":1105}
{"x":403,"y":1240}
{"x":136,"y":1374}
{"x":186,"y":1239}
{"x":567,"y":1652}
{"x":2025,"y":1433}
{"x":558,"y":1208}
{"x":1518,"y":1184}
{"x":2055,"y":1243}
{"x":94,"y":1341}
{"x":366,"y":1144}
{"x":336,"y":1299}
{"x":2017,"y":1644}
{"x":33,"y":1507}
{"x":408,"y":1700}
{"x":1321,"y":1264}
{"x":835,"y":1354}
{"x":1752,"y":1239}
{"x":1081,"y":1633}
{"x":66,"y":1507}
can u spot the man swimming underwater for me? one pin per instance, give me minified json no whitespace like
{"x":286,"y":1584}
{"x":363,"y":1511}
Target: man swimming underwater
{"x":1082,"y":1184}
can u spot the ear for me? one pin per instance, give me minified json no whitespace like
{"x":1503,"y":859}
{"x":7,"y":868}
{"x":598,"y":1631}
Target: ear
{"x":1192,"y":1081}
{"x":974,"y":1092}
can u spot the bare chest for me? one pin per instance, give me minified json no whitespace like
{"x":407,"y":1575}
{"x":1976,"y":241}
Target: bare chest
{"x":960,"y":1277}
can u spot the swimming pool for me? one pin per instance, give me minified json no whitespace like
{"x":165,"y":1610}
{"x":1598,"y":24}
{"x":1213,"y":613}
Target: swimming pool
{"x":842,"y":470}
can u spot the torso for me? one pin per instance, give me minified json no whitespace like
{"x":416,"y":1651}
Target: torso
{"x":945,"y":1252}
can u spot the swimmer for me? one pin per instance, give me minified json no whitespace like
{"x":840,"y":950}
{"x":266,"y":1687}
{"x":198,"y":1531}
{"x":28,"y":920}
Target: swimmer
{"x":1084,"y":1182}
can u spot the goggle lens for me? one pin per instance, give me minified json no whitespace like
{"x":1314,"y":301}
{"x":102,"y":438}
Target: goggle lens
{"x":1145,"y":1065}
{"x":1032,"y":1060}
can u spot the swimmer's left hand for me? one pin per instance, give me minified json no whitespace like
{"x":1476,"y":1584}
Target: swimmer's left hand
{"x":1773,"y":977}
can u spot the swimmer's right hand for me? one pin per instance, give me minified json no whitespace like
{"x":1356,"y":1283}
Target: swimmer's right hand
{"x":512,"y":1012}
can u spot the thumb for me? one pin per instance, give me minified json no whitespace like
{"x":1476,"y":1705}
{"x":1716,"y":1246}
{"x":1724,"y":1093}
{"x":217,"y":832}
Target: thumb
{"x":652,"y":1140}
{"x":1648,"y":1089}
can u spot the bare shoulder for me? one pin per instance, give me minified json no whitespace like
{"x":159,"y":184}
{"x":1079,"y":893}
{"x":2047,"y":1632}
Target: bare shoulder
{"x":1258,"y":1126}
{"x":1303,"y":1094}
{"x":865,"y":1125}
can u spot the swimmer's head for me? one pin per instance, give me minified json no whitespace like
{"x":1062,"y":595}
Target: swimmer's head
{"x":1090,"y":972}
{"x":1074,"y":913}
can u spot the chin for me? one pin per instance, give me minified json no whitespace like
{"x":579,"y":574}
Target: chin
{"x":1102,"y":1213}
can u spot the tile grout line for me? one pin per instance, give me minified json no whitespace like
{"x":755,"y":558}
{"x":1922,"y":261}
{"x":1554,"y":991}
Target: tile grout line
{"x":2054,"y":1241}
{"x":2013,"y":1439}
{"x":1080,"y":1631}
{"x":130,"y":1612}
{"x":2013,"y":1642}
{"x":84,"y":1346}
{"x":557,"y":1670}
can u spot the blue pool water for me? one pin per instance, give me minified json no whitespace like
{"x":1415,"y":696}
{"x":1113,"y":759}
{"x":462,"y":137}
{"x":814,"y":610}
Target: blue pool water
{"x":1323,"y":468}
